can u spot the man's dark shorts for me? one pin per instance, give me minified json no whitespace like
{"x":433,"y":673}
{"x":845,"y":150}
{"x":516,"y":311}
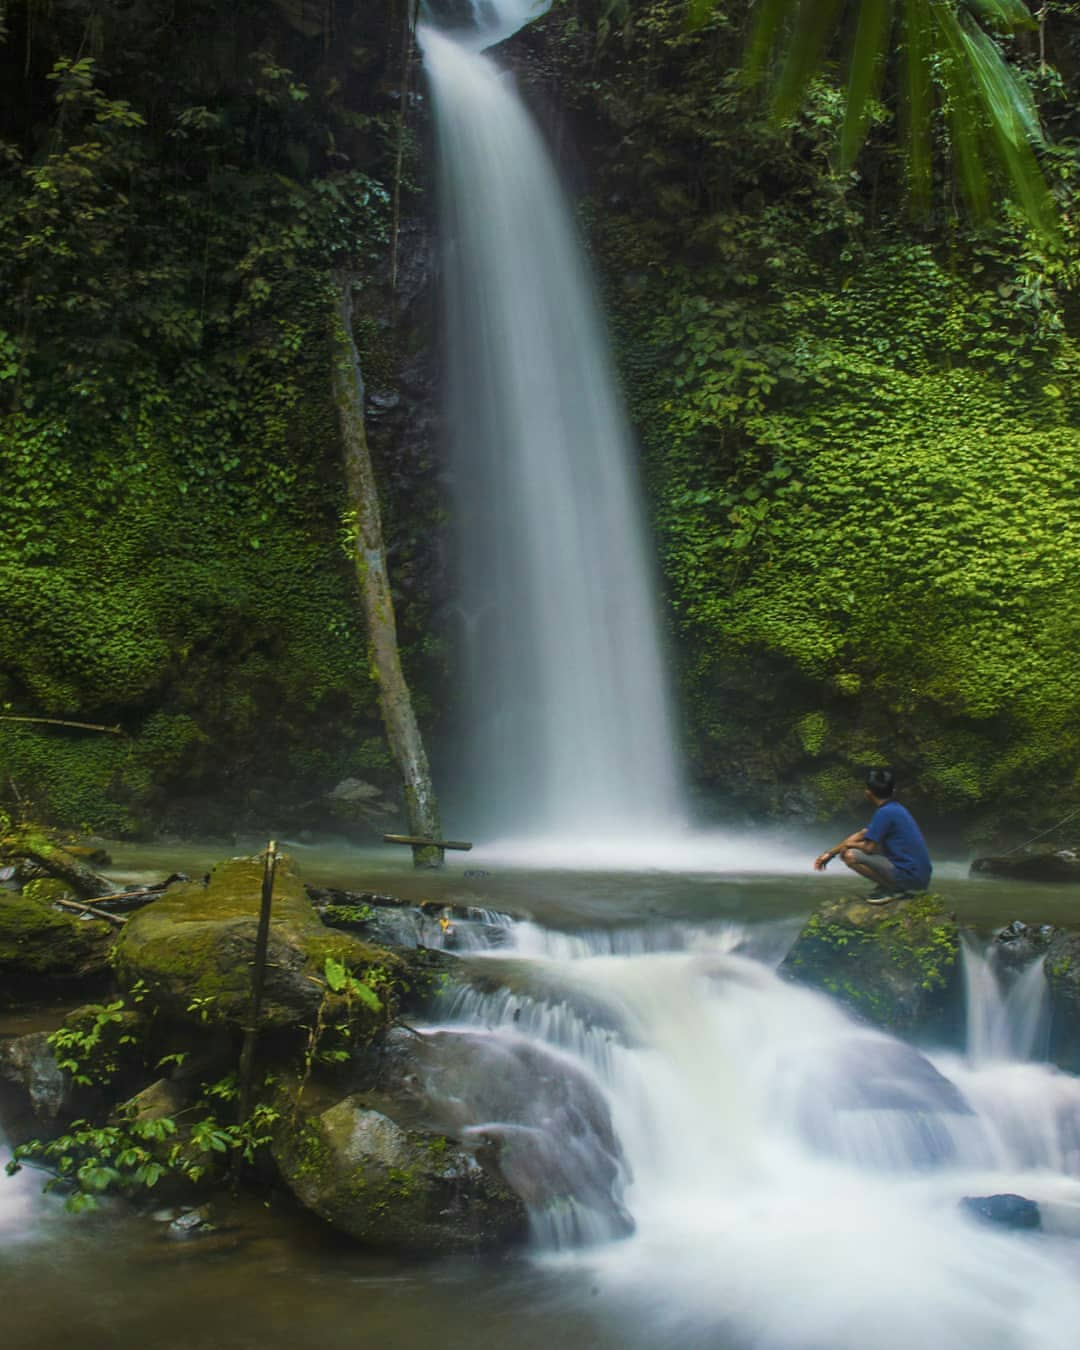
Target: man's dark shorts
{"x":878,"y":864}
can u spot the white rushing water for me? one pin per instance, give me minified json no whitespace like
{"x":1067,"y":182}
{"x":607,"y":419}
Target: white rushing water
{"x":569,"y":731}
{"x":795,"y":1179}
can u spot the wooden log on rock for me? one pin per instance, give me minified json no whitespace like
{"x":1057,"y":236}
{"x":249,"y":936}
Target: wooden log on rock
{"x":91,"y":910}
{"x":421,"y":841}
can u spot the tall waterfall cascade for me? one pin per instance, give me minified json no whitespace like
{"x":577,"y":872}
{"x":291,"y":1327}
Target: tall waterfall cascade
{"x":569,"y":730}
{"x":795,"y":1179}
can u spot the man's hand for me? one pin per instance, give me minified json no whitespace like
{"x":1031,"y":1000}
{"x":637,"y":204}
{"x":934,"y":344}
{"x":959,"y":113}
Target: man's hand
{"x":823,"y":859}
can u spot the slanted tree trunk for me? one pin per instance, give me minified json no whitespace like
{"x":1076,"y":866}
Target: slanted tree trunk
{"x":395,"y":704}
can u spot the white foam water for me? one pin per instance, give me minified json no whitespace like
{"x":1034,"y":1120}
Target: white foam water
{"x":796,"y":1179}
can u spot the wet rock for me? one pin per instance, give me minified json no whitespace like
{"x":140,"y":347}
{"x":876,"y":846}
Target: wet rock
{"x":355,"y":803}
{"x":192,"y":1223}
{"x":45,"y":951}
{"x":410,"y":1190}
{"x":163,"y":1098}
{"x":194,"y":949}
{"x":1059,"y":864}
{"x":1010,"y":1211}
{"x":398,"y":923}
{"x":1062,"y":969}
{"x":557,"y":1145}
{"x":29,"y":1063}
{"x":1018,"y":944}
{"x":354,"y":790}
{"x":896,"y":965}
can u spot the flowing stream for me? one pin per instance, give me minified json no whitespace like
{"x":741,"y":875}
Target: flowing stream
{"x":569,"y":727}
{"x":792,"y":1179}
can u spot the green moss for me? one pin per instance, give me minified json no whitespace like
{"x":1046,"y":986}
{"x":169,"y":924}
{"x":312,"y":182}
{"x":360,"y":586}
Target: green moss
{"x":893,"y":964}
{"x":36,"y":940}
{"x":46,"y":890}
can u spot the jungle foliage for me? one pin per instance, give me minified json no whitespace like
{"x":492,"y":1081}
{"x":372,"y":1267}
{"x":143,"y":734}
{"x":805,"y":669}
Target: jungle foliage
{"x":860,"y":424}
{"x":177,"y":185}
{"x":862,"y":434}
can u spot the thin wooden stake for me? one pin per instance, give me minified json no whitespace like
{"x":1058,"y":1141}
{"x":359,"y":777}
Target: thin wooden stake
{"x":258,"y":980}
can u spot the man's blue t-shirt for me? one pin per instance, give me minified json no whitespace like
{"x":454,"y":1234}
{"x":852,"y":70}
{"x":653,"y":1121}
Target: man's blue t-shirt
{"x":892,"y":827}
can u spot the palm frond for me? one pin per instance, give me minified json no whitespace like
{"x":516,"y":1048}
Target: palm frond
{"x":1003,"y":16}
{"x":961,"y":108}
{"x":943,"y":45}
{"x":813,"y":21}
{"x":915,"y":103}
{"x":869,"y":52}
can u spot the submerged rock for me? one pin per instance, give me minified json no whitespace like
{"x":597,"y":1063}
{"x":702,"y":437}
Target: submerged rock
{"x":410,"y":1190}
{"x":871,"y":1099}
{"x":1010,"y":1211}
{"x":896,"y":965}
{"x":194,"y":949}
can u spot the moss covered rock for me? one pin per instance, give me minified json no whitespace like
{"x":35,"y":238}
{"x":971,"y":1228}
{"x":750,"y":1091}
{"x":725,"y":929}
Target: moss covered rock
{"x":1063,"y":976}
{"x":896,"y":965}
{"x":409,"y":1190}
{"x":194,"y":950}
{"x":43,"y":950}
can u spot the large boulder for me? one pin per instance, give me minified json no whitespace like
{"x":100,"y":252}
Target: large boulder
{"x":557,"y":1146}
{"x":895,"y":965}
{"x":411,"y":1190}
{"x":455,"y":1141}
{"x":194,"y":950}
{"x":1049,"y":864}
{"x":45,"y":951}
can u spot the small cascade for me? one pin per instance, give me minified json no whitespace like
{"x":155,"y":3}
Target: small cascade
{"x":1008,"y":1009}
{"x":569,"y":731}
{"x":796,"y":1180}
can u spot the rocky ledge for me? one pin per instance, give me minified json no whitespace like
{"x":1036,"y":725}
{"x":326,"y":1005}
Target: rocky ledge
{"x":896,"y":965}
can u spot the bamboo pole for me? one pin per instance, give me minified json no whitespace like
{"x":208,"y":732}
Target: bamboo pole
{"x":246,"y":1071}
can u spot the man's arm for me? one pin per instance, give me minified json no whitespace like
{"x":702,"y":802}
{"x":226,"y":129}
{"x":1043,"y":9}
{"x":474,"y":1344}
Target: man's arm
{"x":856,"y":840}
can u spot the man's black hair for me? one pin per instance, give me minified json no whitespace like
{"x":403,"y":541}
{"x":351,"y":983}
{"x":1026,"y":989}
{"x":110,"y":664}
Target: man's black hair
{"x":881,"y":782}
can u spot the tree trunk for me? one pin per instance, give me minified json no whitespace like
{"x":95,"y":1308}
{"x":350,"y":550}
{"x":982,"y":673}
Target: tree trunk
{"x":395,"y":704}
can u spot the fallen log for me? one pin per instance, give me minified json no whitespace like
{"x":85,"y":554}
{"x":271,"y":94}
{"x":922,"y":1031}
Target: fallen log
{"x":51,"y":857}
{"x":92,"y":910}
{"x":420,"y":841}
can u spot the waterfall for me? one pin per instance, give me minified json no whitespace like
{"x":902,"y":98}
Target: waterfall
{"x":569,"y":732}
{"x":795,"y":1179}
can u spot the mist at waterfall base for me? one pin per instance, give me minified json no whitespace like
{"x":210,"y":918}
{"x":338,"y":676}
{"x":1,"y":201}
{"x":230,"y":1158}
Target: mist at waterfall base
{"x":568,"y":728}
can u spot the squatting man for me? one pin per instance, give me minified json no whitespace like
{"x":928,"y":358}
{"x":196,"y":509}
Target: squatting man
{"x":890,"y":850}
